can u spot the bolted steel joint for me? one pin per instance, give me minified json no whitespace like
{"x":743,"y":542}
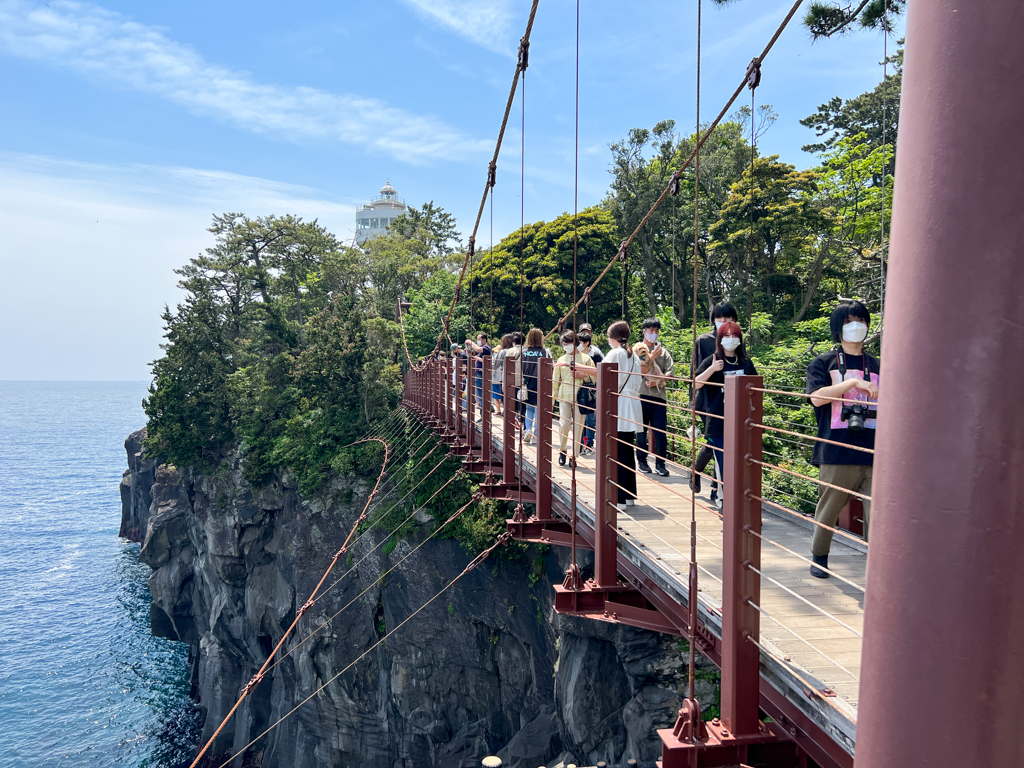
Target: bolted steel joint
{"x":753,"y":75}
{"x":524,"y":54}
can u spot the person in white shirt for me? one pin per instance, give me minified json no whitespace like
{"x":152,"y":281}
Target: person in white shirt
{"x":631,"y":417}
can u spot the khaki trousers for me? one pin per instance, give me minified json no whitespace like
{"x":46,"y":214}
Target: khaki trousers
{"x":856,"y":477}
{"x":566,"y":412}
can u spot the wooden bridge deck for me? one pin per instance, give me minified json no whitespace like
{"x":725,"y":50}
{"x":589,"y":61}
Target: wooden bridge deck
{"x":806,"y":648}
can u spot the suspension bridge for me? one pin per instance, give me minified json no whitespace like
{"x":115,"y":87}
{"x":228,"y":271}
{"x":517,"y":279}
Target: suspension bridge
{"x":867,"y":667}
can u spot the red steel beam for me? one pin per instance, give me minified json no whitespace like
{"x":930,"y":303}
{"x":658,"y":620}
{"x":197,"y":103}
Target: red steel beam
{"x":943,"y":648}
{"x":606,"y":513}
{"x":741,"y":549}
{"x":544,"y":435}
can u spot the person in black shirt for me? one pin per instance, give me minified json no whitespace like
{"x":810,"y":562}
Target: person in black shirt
{"x":722,"y":313}
{"x":585,"y":335}
{"x":729,"y":359}
{"x":849,"y":373}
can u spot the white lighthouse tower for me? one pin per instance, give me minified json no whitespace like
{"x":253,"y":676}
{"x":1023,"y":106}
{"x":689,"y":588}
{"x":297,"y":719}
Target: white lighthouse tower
{"x":375,"y":218}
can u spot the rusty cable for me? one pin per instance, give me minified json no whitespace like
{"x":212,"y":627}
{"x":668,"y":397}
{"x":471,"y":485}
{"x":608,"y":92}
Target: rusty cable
{"x":700,"y":143}
{"x":248,"y":688}
{"x":458,"y":473}
{"x":502,"y":539}
{"x":522,"y":63}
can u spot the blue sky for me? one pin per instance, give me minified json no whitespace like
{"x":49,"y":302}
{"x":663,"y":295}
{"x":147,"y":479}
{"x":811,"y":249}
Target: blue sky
{"x":126,"y":125}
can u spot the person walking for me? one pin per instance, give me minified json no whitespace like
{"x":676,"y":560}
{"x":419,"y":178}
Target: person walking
{"x":656,"y":364}
{"x":630,"y":412}
{"x":852,"y":375}
{"x":721,"y":313}
{"x":478,"y":351}
{"x":514,"y":357}
{"x":532,"y":353}
{"x":729,"y":359}
{"x":566,"y":384}
{"x":585,"y":336}
{"x":498,"y":373}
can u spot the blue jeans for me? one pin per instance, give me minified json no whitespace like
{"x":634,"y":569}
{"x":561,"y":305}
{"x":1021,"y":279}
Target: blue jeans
{"x":531,"y":419}
{"x":717,"y":489}
{"x":589,"y":425}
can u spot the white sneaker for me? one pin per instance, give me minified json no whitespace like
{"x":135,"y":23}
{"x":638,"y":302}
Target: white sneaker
{"x":620,"y":507}
{"x":630,"y":502}
{"x":720,"y":502}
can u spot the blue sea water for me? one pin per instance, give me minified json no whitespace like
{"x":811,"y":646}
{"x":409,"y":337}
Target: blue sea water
{"x":82,"y":682}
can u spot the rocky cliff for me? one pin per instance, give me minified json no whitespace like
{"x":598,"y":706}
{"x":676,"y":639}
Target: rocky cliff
{"x":487,"y":668}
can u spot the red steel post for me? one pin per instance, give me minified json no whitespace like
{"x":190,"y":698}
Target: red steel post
{"x":945,"y":591}
{"x":741,"y":551}
{"x":606,"y":468}
{"x":544,"y":406}
{"x":449,"y":386}
{"x":508,"y":434}
{"x":460,"y":382}
{"x":486,"y":412}
{"x":471,"y":379}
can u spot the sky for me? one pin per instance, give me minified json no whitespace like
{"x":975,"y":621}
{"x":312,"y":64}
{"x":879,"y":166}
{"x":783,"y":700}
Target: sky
{"x":125,"y":126}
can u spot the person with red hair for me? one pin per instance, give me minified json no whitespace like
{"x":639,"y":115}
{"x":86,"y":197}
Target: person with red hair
{"x":728,"y":359}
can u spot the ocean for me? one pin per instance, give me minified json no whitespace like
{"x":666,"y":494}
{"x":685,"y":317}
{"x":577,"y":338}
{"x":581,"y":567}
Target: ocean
{"x":82,"y":682}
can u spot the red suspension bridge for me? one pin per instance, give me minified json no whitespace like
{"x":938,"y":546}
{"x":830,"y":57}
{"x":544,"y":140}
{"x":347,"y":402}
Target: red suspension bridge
{"x":814,"y":673}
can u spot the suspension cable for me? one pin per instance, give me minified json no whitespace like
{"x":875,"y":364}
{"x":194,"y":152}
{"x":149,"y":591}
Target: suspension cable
{"x":701,"y":139}
{"x":521,"y":65}
{"x":502,"y":539}
{"x":694,"y":587}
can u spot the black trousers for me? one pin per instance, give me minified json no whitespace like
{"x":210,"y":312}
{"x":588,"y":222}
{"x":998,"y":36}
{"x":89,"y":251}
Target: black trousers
{"x":705,"y":457}
{"x":627,"y":468}
{"x":655,"y":416}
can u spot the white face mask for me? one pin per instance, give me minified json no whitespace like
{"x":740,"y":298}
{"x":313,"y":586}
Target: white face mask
{"x":720,"y":323}
{"x":729,"y":343}
{"x":613,"y":343}
{"x":568,"y":348}
{"x":581,"y":346}
{"x":651,"y":337}
{"x":855,"y":332}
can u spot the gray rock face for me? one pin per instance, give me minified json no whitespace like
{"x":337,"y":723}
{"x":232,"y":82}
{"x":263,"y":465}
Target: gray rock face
{"x":485,"y":668}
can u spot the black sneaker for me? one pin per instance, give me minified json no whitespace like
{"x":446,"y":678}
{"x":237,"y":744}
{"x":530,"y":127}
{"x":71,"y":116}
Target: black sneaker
{"x":821,"y":560}
{"x":561,"y":459}
{"x":659,"y":467}
{"x":643,"y":467}
{"x":694,"y":482}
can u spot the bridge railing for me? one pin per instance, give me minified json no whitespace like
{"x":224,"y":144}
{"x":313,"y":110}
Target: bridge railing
{"x":456,"y":397}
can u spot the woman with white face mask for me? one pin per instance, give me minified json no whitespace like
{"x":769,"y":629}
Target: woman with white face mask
{"x":729,"y":359}
{"x":571,"y":371}
{"x":850,"y":374}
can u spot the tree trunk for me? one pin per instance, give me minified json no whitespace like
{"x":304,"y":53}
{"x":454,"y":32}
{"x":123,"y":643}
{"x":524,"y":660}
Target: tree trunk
{"x":812,"y":288}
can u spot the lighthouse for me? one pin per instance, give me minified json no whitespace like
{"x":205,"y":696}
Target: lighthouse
{"x":374,"y":218}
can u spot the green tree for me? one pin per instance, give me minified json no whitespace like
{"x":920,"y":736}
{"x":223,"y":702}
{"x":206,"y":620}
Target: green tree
{"x":765,"y":238}
{"x":547,"y":273}
{"x":872,"y":113}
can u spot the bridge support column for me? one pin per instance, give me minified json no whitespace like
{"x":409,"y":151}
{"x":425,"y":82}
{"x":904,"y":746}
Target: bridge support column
{"x":606,"y":514}
{"x":741,"y":551}
{"x":545,"y":438}
{"x":945,"y":591}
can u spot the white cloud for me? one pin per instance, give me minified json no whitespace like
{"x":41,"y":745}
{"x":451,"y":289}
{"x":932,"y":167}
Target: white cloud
{"x":488,"y":23}
{"x":89,"y":253}
{"x":105,"y":45}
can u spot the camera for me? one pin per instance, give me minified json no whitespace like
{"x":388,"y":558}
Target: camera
{"x":854,"y":416}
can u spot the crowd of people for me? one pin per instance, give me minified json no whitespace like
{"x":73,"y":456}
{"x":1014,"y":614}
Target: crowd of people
{"x":842,"y":385}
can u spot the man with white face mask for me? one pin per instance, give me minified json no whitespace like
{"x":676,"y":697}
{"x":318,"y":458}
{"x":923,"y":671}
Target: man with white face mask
{"x":850,"y":374}
{"x":656,"y":363}
{"x":722,"y":313}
